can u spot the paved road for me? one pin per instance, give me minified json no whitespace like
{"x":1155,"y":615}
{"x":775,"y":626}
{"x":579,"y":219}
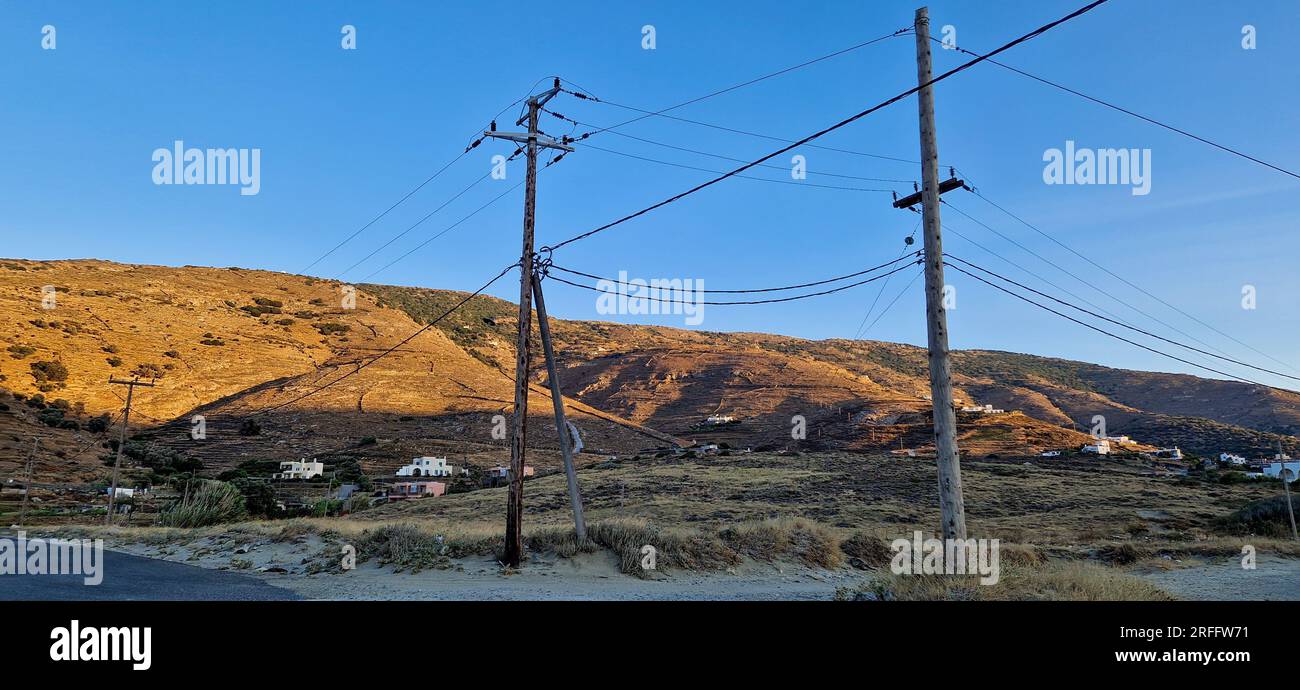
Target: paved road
{"x":133,"y":578}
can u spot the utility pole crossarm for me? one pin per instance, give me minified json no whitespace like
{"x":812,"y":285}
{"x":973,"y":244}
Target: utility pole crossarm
{"x":540,"y":140}
{"x":944,"y":187}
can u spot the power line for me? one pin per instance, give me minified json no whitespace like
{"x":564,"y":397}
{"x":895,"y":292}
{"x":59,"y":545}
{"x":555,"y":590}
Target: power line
{"x":390,"y":350}
{"x":745,"y":177}
{"x":450,"y":228}
{"x":417,"y":223}
{"x":1108,"y":333}
{"x":748,"y":291}
{"x":719,"y":92}
{"x":892,"y":302}
{"x":1119,"y":323}
{"x":847,"y":121}
{"x":475,"y":138}
{"x":1139,"y":116}
{"x":749,"y":302}
{"x":907,"y":242}
{"x":1127,"y":282}
{"x":720,"y":156}
{"x":1072,"y":275}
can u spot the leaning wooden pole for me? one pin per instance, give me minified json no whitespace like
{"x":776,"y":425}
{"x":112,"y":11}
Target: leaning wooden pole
{"x":27,"y":480}
{"x":557,"y":400}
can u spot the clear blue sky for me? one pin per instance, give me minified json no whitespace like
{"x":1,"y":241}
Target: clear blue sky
{"x":344,"y":133}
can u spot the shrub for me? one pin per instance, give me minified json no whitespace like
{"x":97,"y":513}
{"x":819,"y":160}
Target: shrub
{"x":212,"y":342}
{"x":172,"y":353}
{"x":20,"y":351}
{"x":266,"y":302}
{"x":332,"y":327}
{"x":250,"y":427}
{"x":209,"y":503}
{"x":285,"y":322}
{"x":1267,"y":517}
{"x":49,"y":371}
{"x":148,"y":370}
{"x":98,"y":424}
{"x":259,"y":495}
{"x":110,"y":349}
{"x":114,"y":361}
{"x":50,"y":416}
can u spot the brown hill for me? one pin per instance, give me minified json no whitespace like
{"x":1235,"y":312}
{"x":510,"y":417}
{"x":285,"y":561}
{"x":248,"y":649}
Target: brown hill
{"x":235,"y":345}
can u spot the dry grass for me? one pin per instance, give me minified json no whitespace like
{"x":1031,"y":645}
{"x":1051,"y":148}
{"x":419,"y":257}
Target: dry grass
{"x":1054,"y":581}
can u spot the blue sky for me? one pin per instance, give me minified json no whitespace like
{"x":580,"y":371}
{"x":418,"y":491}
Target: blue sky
{"x":345,"y":133}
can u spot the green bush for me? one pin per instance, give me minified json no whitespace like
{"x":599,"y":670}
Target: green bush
{"x":209,"y":503}
{"x":20,"y":351}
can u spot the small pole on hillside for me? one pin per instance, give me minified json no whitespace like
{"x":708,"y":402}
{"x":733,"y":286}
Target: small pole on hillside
{"x":1286,"y":486}
{"x":121,"y":443}
{"x":27,"y":481}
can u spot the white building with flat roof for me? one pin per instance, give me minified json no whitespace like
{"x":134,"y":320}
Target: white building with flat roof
{"x":425,"y":467}
{"x":299,"y":469}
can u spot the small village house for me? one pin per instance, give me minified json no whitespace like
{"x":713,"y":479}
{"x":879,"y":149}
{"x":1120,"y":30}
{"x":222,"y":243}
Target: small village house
{"x":425,"y":467}
{"x":1050,"y":454}
{"x":983,"y":409}
{"x":299,"y":469}
{"x":1099,"y":447}
{"x":1232,"y":459}
{"x":1277,"y":469}
{"x":499,"y":475}
{"x":416,"y":489}
{"x":716,"y":419}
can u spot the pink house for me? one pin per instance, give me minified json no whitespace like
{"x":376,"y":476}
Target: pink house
{"x":416,"y":489}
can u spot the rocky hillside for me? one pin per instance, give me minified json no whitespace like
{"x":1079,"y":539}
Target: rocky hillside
{"x":238,"y":347}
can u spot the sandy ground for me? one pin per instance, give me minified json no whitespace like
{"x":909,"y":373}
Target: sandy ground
{"x":310,"y":568}
{"x":1273,"y":579}
{"x":586,"y":577}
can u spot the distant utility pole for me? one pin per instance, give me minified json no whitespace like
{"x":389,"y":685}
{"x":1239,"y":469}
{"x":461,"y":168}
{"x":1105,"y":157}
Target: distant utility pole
{"x":1286,"y":486}
{"x":951,"y":504}
{"x":121,"y":443}
{"x":532,"y":140}
{"x":27,"y":482}
{"x":557,"y":400}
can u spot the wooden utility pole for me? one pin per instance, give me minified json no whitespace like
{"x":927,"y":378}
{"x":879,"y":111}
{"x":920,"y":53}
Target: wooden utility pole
{"x":531,"y":141}
{"x":557,"y":400}
{"x":27,"y":481}
{"x":121,"y":442}
{"x":951,"y":504}
{"x":1286,"y":486}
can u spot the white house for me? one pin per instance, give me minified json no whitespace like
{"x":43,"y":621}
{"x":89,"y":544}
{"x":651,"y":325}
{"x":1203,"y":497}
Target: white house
{"x":124,"y":492}
{"x":1100,"y":446}
{"x":1121,"y":440}
{"x":299,"y":469}
{"x":1230,"y":458}
{"x":1274,"y":470}
{"x":1050,"y":454}
{"x":1169,"y":453}
{"x":983,"y":409}
{"x":720,"y":419}
{"x":425,"y":467}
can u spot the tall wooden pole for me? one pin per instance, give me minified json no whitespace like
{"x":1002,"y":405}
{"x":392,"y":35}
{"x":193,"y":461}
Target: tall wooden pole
{"x":27,"y":482}
{"x":951,"y":504}
{"x":557,"y":400}
{"x":515,"y":506}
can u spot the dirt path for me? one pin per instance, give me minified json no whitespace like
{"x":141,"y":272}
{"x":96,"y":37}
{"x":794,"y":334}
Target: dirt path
{"x":592,"y":576}
{"x":1273,"y":579}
